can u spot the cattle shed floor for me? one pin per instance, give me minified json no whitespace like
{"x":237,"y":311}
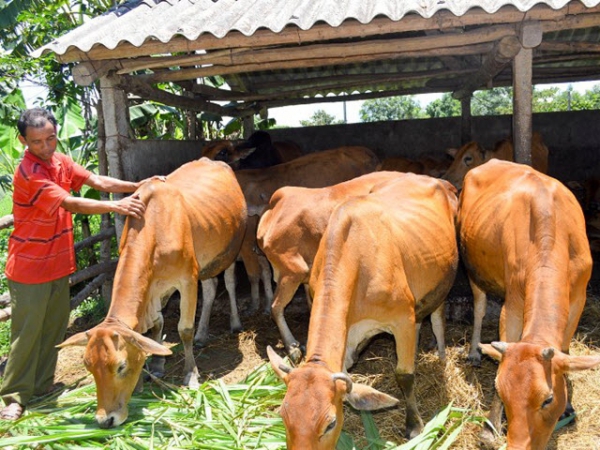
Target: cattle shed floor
{"x":231,"y":357}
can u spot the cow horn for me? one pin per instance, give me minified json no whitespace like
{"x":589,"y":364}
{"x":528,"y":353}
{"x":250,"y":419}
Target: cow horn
{"x":500,"y":346}
{"x":284,"y":368}
{"x":548,"y":353}
{"x":345,"y":378}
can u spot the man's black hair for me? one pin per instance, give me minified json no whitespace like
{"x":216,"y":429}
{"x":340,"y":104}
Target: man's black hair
{"x":35,"y":118}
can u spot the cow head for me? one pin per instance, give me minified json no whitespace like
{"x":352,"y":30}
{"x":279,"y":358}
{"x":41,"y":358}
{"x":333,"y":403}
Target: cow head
{"x":114,"y":355}
{"x":531,"y":383}
{"x":465,"y":158}
{"x":312,"y":409}
{"x":227,"y":151}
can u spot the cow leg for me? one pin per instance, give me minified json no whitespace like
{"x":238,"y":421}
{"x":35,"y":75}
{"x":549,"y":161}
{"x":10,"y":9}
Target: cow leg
{"x":308,"y":296}
{"x":234,"y":319}
{"x":252,"y":265}
{"x":284,"y":293}
{"x":157,"y":363}
{"x":188,"y":304}
{"x":209,"y":292}
{"x":487,"y":436}
{"x":480,"y":306}
{"x":405,"y":334}
{"x":438,"y":326}
{"x":265,"y":276}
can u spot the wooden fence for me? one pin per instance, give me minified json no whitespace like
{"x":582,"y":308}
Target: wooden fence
{"x":98,"y":273}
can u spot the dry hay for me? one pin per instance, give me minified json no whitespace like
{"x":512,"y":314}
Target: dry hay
{"x":231,"y":357}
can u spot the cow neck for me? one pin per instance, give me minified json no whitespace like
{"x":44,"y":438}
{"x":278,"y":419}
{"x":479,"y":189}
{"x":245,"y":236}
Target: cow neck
{"x":131,"y":284}
{"x":328,"y":329}
{"x":546,"y":308}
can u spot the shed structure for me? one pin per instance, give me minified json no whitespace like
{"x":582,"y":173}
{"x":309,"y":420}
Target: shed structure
{"x":287,"y":52}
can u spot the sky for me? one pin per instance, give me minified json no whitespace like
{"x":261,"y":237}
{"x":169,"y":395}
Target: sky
{"x":292,"y":115}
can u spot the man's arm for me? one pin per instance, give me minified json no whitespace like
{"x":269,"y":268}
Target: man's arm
{"x":128,"y":206}
{"x":110,"y":184}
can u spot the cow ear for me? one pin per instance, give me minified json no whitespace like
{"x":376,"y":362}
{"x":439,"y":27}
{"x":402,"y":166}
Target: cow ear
{"x":492,"y":351}
{"x":366,"y":398}
{"x":281,"y":369}
{"x":80,"y":339}
{"x":145,"y":344}
{"x":569,"y":363}
{"x":241,"y":153}
{"x":451,"y":152}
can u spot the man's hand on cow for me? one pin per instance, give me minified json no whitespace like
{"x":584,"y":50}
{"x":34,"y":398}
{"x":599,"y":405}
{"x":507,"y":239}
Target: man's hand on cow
{"x":131,"y":206}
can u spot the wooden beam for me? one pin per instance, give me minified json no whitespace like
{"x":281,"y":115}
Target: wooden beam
{"x":291,"y":35}
{"x":303,"y":63}
{"x":571,"y":46}
{"x":339,"y":52}
{"x":465,"y":119}
{"x":149,"y":92}
{"x":502,"y":54}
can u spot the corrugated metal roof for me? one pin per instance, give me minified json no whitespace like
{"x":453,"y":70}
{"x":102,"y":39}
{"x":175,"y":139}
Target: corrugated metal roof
{"x":138,"y":21}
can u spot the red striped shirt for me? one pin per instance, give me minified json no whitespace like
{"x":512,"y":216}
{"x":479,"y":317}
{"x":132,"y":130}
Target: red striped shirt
{"x":40,"y":248}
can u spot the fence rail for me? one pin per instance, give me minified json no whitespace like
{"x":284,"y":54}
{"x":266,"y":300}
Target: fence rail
{"x":99,"y":273}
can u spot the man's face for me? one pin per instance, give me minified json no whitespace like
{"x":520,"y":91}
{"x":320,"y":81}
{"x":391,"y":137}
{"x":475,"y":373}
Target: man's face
{"x":40,"y":141}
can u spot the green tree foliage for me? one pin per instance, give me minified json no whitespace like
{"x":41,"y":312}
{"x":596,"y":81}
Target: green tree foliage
{"x":447,"y":106}
{"x":391,"y":108}
{"x":491,"y":102}
{"x":320,"y":117}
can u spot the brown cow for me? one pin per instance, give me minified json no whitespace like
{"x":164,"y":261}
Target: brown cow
{"x":317,"y":169}
{"x":289,"y":233}
{"x":472,"y":155}
{"x":386,"y":260}
{"x":254,"y":153}
{"x":192,"y":229}
{"x":425,"y":165}
{"x":522,"y":237}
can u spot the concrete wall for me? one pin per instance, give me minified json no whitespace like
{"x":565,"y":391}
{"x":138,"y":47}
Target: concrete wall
{"x":573,"y":139}
{"x":147,"y":158}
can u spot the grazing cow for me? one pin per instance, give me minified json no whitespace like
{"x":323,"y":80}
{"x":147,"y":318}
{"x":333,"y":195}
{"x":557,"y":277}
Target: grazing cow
{"x":386,"y":260}
{"x":472,"y":155}
{"x":289,"y":233}
{"x":192,"y":229}
{"x":317,"y":169}
{"x":522,"y":237}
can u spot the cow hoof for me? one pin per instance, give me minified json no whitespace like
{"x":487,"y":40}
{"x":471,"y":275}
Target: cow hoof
{"x":487,"y":439}
{"x":251,"y":311}
{"x":475,"y":360}
{"x":201,"y":343}
{"x":295,"y":354}
{"x":237,"y":329}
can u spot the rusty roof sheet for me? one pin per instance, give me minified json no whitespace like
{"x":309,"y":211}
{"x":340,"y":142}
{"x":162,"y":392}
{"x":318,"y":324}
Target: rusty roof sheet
{"x":138,"y":21}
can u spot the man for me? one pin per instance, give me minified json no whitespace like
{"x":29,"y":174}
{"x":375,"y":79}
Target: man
{"x":41,"y":254}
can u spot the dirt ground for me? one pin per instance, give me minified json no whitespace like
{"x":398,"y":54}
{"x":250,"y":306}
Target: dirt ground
{"x":232,"y":356}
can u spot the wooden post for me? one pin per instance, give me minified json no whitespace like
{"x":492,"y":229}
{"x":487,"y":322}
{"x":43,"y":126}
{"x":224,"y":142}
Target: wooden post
{"x":116,"y":126}
{"x":105,"y":224}
{"x":530,"y":36}
{"x":248,"y":124}
{"x":465,"y":119}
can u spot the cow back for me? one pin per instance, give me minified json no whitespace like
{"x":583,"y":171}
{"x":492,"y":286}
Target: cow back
{"x":520,"y":228}
{"x":313,"y":170}
{"x":396,"y":244}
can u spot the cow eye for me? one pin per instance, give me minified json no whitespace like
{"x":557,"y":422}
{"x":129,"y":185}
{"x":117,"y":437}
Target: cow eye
{"x":330,"y":426}
{"x":548,"y":401}
{"x":468,"y":160}
{"x":122,"y":368}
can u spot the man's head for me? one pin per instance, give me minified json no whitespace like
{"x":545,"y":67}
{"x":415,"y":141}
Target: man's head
{"x":37,"y":131}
